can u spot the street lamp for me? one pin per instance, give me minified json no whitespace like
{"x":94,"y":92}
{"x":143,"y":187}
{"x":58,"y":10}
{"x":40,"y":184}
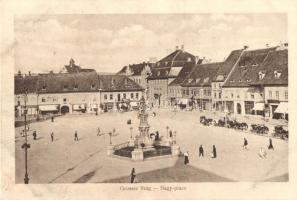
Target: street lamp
{"x":167,"y":128}
{"x":131,"y":130}
{"x":110,"y":137}
{"x":26,"y":145}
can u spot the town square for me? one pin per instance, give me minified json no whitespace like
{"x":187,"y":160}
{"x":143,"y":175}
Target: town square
{"x":123,"y":111}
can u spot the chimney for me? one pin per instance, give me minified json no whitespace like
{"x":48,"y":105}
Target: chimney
{"x":245,"y":47}
{"x":286,"y":44}
{"x":267,"y":45}
{"x":176,"y":47}
{"x":29,"y":73}
{"x":182,"y":47}
{"x":19,"y":73}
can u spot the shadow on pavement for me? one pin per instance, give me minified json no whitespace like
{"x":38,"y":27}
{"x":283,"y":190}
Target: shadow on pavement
{"x":178,"y":173}
{"x":85,"y":177}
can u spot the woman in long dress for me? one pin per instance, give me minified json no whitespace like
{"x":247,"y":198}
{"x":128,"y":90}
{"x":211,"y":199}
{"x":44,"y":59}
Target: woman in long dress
{"x":214,"y":151}
{"x":186,"y":154}
{"x":133,"y":175}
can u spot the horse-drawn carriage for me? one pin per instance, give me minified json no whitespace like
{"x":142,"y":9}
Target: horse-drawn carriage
{"x":259,"y":129}
{"x":280,"y":131}
{"x":206,"y":121}
{"x":236,"y":125}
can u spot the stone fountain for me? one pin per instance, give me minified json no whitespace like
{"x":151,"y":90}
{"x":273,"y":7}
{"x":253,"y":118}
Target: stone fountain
{"x":143,"y":144}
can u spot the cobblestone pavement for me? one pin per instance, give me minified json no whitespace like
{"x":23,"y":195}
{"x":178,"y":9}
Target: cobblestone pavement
{"x":67,"y":161}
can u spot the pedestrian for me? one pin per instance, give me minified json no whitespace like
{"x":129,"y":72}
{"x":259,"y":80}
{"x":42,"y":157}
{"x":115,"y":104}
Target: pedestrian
{"x":262,"y":153}
{"x":52,"y":118}
{"x":75,"y":136}
{"x":34,"y":135}
{"x":245,"y":144}
{"x":201,"y":151}
{"x":270,"y":144}
{"x":170,"y":133}
{"x":98,"y":131}
{"x":186,"y":155}
{"x":133,"y":175}
{"x":52,"y":136}
{"x":157,"y":136}
{"x":214,"y":152}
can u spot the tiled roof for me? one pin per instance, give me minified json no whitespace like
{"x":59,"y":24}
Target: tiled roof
{"x":69,"y":82}
{"x":227,"y":65}
{"x":23,"y":83}
{"x":202,"y":75}
{"x":176,"y":59}
{"x":246,"y":68}
{"x":275,"y":67}
{"x":182,"y":75}
{"x":117,"y":83}
{"x":136,"y":69}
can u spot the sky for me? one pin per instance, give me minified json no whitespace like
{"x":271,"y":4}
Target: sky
{"x":108,"y":42}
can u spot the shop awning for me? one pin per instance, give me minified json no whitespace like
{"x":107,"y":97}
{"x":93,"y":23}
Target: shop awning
{"x":259,"y":106}
{"x":93,"y":106}
{"x":183,"y":101}
{"x":78,"y":106}
{"x":48,"y":107}
{"x":282,"y":108}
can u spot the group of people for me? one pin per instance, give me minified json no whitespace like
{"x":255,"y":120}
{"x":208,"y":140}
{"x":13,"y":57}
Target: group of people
{"x":200,"y":153}
{"x":262,"y":152}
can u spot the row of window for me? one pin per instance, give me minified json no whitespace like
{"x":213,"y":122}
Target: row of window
{"x":204,"y":92}
{"x":66,"y":87}
{"x":55,"y":99}
{"x":119,"y":97}
{"x":276,"y":95}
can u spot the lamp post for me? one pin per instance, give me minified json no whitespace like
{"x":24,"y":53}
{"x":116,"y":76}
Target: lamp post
{"x":131,"y":130}
{"x":26,"y":145}
{"x":167,"y":128}
{"x":110,"y":137}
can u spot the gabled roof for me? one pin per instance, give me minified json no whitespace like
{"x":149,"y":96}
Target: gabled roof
{"x":136,"y":69}
{"x":227,"y":65}
{"x":275,"y":62}
{"x":25,"y":83}
{"x":182,"y":75}
{"x":202,"y":75}
{"x":248,"y":64}
{"x":175,"y":58}
{"x":168,"y":72}
{"x":117,"y":83}
{"x":69,"y":82}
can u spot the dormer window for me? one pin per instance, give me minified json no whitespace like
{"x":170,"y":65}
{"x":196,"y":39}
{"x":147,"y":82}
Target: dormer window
{"x":277,"y":74}
{"x":197,"y":80}
{"x":255,"y":65}
{"x":189,"y":59}
{"x":239,"y":81}
{"x":261,"y":75}
{"x":190,"y":80}
{"x":44,"y":87}
{"x":65,"y":87}
{"x":159,"y":73}
{"x":220,"y":77}
{"x":92,"y":86}
{"x":206,"y":80}
{"x":166,"y":63}
{"x":76,"y":86}
{"x":248,"y":80}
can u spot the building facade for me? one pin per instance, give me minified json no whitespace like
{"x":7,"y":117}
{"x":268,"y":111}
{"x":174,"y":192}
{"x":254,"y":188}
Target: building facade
{"x":165,"y":71}
{"x":83,"y":92}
